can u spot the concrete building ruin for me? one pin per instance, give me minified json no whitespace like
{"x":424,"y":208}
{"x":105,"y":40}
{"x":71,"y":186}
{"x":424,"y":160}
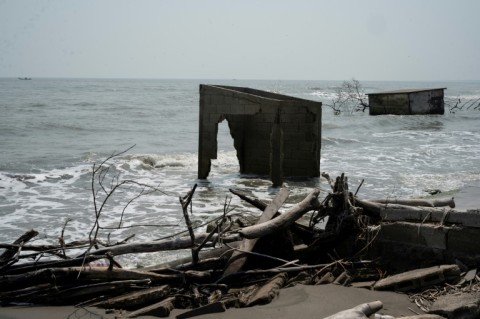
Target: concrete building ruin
{"x":407,"y":102}
{"x":273,"y":134}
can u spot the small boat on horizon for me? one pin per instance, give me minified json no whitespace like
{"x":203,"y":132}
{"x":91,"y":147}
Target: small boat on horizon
{"x":25,"y":78}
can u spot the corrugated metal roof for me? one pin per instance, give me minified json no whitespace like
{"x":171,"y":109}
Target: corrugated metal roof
{"x":406,"y":91}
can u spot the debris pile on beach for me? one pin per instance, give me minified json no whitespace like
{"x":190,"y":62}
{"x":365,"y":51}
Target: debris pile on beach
{"x":420,"y":247}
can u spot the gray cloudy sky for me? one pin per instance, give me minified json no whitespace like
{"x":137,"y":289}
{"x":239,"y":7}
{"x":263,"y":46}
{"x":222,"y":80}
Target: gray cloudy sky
{"x":242,"y":39}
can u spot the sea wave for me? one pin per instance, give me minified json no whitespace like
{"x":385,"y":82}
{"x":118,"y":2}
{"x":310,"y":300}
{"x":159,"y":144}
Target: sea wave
{"x":84,"y":104}
{"x":50,"y":151}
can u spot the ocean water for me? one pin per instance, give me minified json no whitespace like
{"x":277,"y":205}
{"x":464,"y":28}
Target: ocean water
{"x":53,"y":132}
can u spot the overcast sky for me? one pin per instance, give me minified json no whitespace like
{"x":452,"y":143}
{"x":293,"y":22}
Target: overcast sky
{"x":242,"y":39}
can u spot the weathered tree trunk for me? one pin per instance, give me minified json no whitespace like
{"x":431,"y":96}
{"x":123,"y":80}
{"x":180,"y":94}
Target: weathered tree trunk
{"x":72,"y":274}
{"x":284,"y":220}
{"x":397,"y":212}
{"x":18,"y":269}
{"x":238,"y":258}
{"x":419,"y":278}
{"x":161,"y":245}
{"x":77,"y":294}
{"x":439,"y":202}
{"x":209,"y":259}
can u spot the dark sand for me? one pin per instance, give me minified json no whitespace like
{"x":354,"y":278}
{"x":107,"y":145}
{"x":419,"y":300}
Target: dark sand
{"x":296,"y":302}
{"x":319,"y":302}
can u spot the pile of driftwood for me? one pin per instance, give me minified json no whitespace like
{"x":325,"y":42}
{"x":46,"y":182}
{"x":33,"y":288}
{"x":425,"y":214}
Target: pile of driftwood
{"x":236,"y":263}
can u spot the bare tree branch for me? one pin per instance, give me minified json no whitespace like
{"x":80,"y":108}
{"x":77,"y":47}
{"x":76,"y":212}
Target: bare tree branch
{"x":349,"y":97}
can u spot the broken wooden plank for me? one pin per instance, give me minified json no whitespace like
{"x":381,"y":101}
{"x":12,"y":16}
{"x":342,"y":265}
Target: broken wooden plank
{"x":159,"y":309}
{"x":419,"y":278}
{"x":327,"y":278}
{"x":215,"y":307}
{"x":135,"y":298}
{"x":238,"y":258}
{"x":266,"y":293}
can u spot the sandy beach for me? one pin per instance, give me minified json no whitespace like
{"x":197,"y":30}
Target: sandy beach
{"x":295,"y":302}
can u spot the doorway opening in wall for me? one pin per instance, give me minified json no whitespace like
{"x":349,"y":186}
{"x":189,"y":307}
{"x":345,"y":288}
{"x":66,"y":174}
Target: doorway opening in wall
{"x":226,"y":162}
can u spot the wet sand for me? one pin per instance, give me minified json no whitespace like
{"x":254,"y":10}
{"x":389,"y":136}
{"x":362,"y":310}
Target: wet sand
{"x":319,"y":302}
{"x":295,"y":302}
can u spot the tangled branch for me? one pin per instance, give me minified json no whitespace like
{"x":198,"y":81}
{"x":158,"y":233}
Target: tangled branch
{"x":349,"y":97}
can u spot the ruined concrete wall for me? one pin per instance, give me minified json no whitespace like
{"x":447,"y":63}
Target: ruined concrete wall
{"x":407,"y":102}
{"x":271,"y":132}
{"x":412,"y":245}
{"x":427,"y":102}
{"x":397,"y":104}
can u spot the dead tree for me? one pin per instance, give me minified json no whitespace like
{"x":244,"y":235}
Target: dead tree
{"x":349,"y":97}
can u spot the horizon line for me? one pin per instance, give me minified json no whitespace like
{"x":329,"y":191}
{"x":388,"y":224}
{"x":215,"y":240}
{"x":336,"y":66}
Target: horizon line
{"x":223,"y":79}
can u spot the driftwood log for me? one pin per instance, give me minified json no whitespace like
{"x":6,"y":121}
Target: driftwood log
{"x":438,"y":202}
{"x":11,"y":255}
{"x":159,"y":309}
{"x":398,"y":212}
{"x":255,"y":202}
{"x":286,"y":219}
{"x":238,"y":258}
{"x":162,"y":245}
{"x":261,"y":295}
{"x":135,"y":299}
{"x":364,"y":310}
{"x":27,"y":267}
{"x":65,"y":275}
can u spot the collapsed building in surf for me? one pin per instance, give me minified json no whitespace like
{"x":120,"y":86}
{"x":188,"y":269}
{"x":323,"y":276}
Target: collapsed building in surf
{"x":273,"y":134}
{"x":407,"y":102}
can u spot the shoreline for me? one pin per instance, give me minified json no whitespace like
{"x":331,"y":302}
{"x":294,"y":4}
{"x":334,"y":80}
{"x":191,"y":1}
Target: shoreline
{"x":468,"y":197}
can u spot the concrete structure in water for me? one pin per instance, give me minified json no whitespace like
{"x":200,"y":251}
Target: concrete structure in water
{"x":273,"y":134}
{"x":407,"y":102}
